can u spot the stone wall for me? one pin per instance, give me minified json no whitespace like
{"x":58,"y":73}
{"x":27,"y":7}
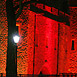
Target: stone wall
{"x":47,"y":50}
{"x":3,"y":36}
{"x":64,"y":48}
{"x":73,"y":52}
{"x":46,"y":45}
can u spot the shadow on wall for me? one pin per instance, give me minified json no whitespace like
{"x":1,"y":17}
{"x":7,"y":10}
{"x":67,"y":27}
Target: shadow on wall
{"x":45,"y":71}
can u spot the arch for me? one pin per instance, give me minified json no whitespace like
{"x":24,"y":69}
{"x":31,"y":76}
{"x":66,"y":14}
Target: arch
{"x":45,"y":70}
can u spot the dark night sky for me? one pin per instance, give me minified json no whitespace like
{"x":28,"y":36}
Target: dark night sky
{"x":73,"y":3}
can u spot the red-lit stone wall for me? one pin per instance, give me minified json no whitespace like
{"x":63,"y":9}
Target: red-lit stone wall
{"x":26,"y":44}
{"x":3,"y":36}
{"x":73,"y":28}
{"x":31,"y":41}
{"x":73,"y":22}
{"x":46,"y":47}
{"x":22,"y":54}
{"x":64,"y":48}
{"x":46,"y":43}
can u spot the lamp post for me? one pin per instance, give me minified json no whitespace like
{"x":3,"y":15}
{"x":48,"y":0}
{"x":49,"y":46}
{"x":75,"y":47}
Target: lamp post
{"x":11,"y":67}
{"x":16,"y":40}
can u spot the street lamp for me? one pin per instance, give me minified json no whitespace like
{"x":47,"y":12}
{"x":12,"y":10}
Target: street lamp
{"x":16,"y":38}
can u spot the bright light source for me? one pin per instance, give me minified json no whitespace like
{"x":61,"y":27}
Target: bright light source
{"x":16,"y":38}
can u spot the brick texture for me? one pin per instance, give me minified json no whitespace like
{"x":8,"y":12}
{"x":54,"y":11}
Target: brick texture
{"x":26,"y":44}
{"x":73,"y":28}
{"x":64,"y":48}
{"x":3,"y":37}
{"x":46,"y":42}
{"x":45,"y":53}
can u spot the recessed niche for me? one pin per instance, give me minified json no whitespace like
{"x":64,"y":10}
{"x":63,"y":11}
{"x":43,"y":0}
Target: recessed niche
{"x":45,"y":60}
{"x":36,"y":45}
{"x":54,"y":48}
{"x":66,"y":51}
{"x":46,"y":46}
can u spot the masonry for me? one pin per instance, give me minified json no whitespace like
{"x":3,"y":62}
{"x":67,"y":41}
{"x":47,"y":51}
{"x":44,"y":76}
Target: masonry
{"x":45,"y":44}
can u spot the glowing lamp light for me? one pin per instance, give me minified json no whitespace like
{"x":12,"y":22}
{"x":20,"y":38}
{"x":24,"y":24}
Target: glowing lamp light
{"x":16,"y":38}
